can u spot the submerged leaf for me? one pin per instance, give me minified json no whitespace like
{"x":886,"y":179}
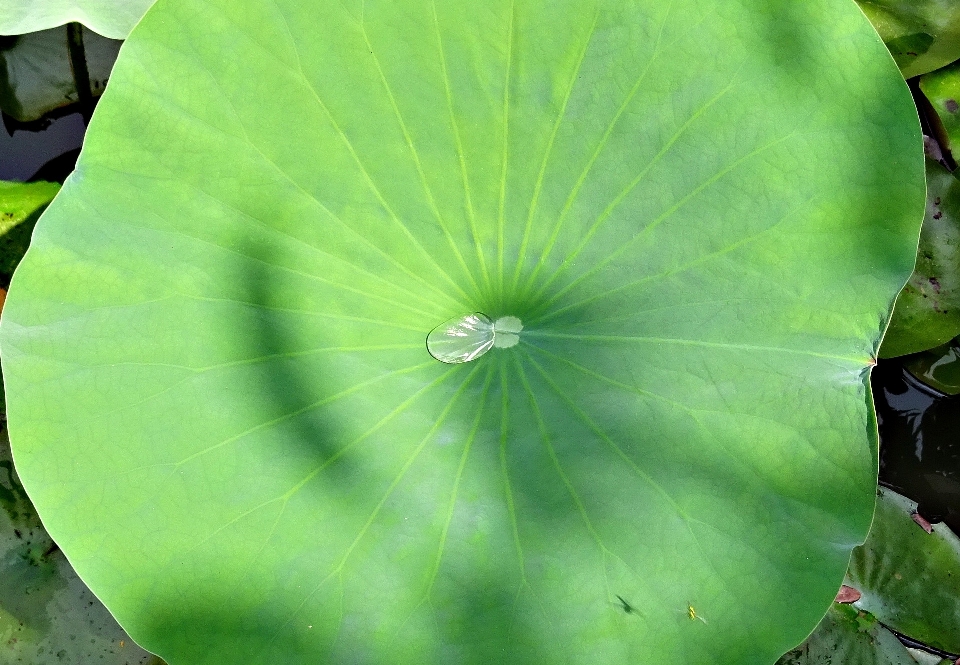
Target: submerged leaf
{"x":938,"y":368}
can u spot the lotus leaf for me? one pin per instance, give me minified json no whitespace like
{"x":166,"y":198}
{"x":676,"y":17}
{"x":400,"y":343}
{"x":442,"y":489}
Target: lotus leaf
{"x":46,"y":612}
{"x":694,"y":216}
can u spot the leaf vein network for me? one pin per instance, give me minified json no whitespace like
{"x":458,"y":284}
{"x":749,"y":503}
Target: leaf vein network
{"x":431,"y":202}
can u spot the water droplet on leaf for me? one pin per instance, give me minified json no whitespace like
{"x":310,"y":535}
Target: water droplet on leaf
{"x":461,"y":339}
{"x":466,"y":338}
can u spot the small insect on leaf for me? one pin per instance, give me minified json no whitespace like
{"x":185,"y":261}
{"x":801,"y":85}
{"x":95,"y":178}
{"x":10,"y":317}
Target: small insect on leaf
{"x":692,"y":613}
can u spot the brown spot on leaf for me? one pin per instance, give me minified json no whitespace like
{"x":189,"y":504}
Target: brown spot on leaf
{"x":924,"y":524}
{"x":935,"y":283}
{"x":847,"y":594}
{"x":952,"y":105}
{"x":936,"y":201}
{"x":937,"y":215}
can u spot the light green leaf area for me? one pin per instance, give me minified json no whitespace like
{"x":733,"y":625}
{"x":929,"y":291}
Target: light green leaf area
{"x":942,"y":88}
{"x":927,"y":312}
{"x":908,"y":578}
{"x":19,"y":201}
{"x":922,"y":35}
{"x":21,"y":205}
{"x":225,"y":408}
{"x":47,"y":615}
{"x":849,"y":636}
{"x":36,"y":76}
{"x":110,"y":18}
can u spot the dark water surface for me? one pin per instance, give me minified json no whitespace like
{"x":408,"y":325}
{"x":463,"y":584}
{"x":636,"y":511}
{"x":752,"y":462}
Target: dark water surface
{"x":26,"y":154}
{"x":919,"y":441}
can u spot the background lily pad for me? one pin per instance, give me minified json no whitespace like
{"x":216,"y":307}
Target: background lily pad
{"x":927,"y":312}
{"x":22,"y":203}
{"x":36,"y":75}
{"x":224,"y":406}
{"x":110,"y":18}
{"x":906,"y":579}
{"x":922,"y":35}
{"x":849,"y":636}
{"x":47,"y":615}
{"x":909,"y":578}
{"x":942,"y":88}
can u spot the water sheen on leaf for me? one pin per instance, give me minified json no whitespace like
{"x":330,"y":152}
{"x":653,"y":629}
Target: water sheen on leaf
{"x":223,"y":405}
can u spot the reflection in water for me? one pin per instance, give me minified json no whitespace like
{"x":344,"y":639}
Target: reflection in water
{"x":919,"y":441}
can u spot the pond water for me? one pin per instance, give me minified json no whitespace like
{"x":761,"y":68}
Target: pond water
{"x":919,"y":441}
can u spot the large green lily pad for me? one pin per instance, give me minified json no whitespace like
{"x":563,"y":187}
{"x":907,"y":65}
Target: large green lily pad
{"x":110,"y":18}
{"x":225,"y":410}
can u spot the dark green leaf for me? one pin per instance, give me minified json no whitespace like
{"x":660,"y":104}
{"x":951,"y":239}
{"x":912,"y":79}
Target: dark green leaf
{"x":848,"y":636}
{"x":910,"y":579}
{"x":927,"y":313}
{"x":922,"y":35}
{"x":942,"y":88}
